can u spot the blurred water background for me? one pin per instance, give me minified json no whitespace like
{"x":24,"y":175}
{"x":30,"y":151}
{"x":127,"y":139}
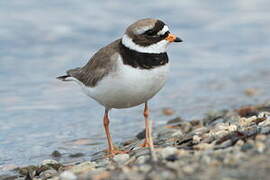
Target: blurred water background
{"x":225,"y":54}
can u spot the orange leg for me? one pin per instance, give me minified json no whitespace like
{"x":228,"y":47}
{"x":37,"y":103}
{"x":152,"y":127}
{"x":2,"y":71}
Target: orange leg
{"x":148,"y":142}
{"x":111,"y":151}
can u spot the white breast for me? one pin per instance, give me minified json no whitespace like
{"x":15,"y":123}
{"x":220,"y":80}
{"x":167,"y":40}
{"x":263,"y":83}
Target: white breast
{"x":128,"y":86}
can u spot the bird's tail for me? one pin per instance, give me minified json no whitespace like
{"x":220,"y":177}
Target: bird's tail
{"x":63,"y":78}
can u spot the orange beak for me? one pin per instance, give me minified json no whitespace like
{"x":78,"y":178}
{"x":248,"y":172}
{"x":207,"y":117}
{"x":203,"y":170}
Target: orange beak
{"x":173,"y":38}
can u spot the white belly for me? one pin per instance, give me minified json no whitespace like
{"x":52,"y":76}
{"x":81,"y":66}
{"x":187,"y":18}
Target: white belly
{"x":128,"y":86}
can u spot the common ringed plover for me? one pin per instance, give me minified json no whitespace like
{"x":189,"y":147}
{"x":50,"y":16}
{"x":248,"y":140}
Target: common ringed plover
{"x":127,"y":72}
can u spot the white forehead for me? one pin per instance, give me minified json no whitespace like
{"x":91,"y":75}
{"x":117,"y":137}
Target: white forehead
{"x":142,"y":29}
{"x":163,"y":30}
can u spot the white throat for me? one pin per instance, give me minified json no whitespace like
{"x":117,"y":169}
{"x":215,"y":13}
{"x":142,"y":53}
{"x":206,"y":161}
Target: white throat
{"x":159,"y":47}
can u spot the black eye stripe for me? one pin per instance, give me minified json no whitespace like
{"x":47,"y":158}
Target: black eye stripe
{"x":150,"y":32}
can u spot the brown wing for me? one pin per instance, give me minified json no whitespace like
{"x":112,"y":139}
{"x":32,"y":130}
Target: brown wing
{"x":100,"y":65}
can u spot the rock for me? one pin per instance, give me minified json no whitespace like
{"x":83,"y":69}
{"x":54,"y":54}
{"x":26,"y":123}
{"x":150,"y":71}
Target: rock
{"x":102,"y":163}
{"x":167,"y":152}
{"x":83,"y":167}
{"x":27,"y":170}
{"x":48,"y":174}
{"x":141,"y":135}
{"x":196,"y":139}
{"x":172,"y":157}
{"x":188,"y":170}
{"x":260,"y":147}
{"x":48,"y":162}
{"x":203,"y":146}
{"x":251,"y":91}
{"x":246,"y":147}
{"x":175,"y":121}
{"x":76,"y":155}
{"x":56,"y":154}
{"x":121,"y":158}
{"x":168,"y":111}
{"x":142,"y":159}
{"x":247,"y":111}
{"x":213,"y":116}
{"x":145,"y":168}
{"x":261,"y":137}
{"x":67,"y":175}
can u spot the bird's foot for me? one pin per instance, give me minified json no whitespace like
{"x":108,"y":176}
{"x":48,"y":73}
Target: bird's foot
{"x":146,"y":144}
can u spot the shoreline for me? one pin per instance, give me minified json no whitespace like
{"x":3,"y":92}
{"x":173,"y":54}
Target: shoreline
{"x":227,"y":144}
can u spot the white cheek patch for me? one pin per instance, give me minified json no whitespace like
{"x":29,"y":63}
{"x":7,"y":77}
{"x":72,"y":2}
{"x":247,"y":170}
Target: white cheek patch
{"x":163,"y":30}
{"x":159,"y":47}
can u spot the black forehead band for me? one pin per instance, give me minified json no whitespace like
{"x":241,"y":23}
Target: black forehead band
{"x":158,"y":26}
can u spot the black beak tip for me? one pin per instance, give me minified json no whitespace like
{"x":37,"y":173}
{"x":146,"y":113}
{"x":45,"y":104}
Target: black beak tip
{"x":178,"y":40}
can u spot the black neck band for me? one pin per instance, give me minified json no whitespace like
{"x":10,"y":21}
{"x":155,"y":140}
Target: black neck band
{"x":142,"y":60}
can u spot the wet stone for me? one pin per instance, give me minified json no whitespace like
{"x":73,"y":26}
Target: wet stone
{"x":141,"y":135}
{"x":121,"y":158}
{"x":67,"y":175}
{"x":168,"y":111}
{"x":76,"y":155}
{"x":175,"y":121}
{"x":213,"y":116}
{"x":56,"y":154}
{"x":167,"y":152}
{"x":83,"y":167}
{"x":48,"y":174}
{"x":172,"y":157}
{"x":27,"y":170}
{"x":49,"y":162}
{"x":246,"y":147}
{"x":142,"y":159}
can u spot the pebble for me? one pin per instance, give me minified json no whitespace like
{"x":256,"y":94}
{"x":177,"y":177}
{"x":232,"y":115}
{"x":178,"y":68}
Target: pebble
{"x":83,"y":167}
{"x":188,"y":169}
{"x":172,"y":157}
{"x":56,"y":154}
{"x":167,"y":151}
{"x":177,"y":120}
{"x":67,"y":175}
{"x":145,"y":168}
{"x":103,"y":162}
{"x":142,"y":159}
{"x":121,"y":158}
{"x":246,"y":147}
{"x":260,"y":147}
{"x":76,"y":155}
{"x":168,"y":111}
{"x":48,"y":174}
{"x":261,"y":137}
{"x":196,"y":139}
{"x":203,"y":146}
{"x":48,"y":162}
{"x":251,"y":91}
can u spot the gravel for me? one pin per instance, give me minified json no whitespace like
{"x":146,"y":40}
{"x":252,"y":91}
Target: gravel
{"x":225,"y":145}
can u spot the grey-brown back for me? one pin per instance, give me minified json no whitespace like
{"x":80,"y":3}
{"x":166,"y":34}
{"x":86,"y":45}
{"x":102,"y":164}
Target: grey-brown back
{"x":100,"y":65}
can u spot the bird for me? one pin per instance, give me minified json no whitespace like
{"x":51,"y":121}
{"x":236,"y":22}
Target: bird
{"x":127,"y":72}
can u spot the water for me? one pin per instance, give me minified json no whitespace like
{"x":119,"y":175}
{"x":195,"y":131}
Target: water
{"x":225,"y":51}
